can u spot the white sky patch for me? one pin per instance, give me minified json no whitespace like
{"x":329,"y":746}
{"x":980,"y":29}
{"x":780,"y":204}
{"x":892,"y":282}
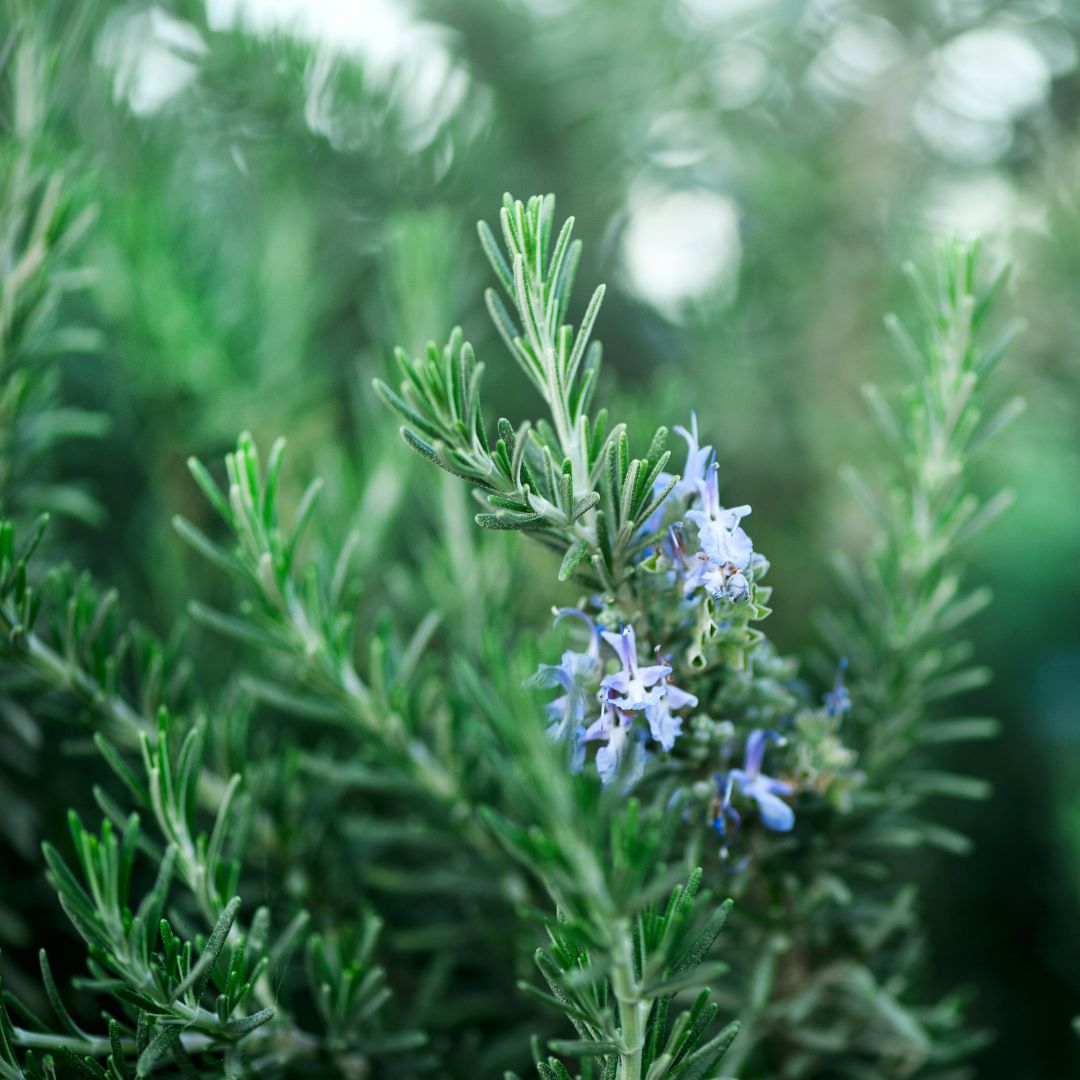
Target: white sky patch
{"x":397,"y":51}
{"x":992,"y":74}
{"x":712,"y":13}
{"x":681,"y":247}
{"x":375,"y":29}
{"x":859,"y":52}
{"x":678,"y":139}
{"x":983,"y":82}
{"x":983,"y":204}
{"x":153,"y":57}
{"x":739,"y":74}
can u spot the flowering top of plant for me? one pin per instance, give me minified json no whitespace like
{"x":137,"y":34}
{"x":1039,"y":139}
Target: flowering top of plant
{"x":674,"y":691}
{"x":658,"y":555}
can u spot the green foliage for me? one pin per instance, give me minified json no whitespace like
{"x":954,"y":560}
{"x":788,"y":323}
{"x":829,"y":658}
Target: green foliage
{"x":181,"y":997}
{"x":44,"y":224}
{"x":570,"y":481}
{"x":44,"y":218}
{"x":631,"y":961}
{"x":849,"y":946}
{"x":908,"y":599}
{"x":837,"y":955}
{"x":68,"y":635}
{"x":668,"y":947}
{"x":300,"y":611}
{"x":342,"y":738}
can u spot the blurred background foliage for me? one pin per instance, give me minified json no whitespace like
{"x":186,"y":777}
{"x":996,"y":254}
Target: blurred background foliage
{"x":286,"y":188}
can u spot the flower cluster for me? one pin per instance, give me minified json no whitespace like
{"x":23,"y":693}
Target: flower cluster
{"x":626,"y":709}
{"x":575,"y":675}
{"x":630,"y":691}
{"x":725,"y":552}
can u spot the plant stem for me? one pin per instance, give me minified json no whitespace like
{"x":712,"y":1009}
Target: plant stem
{"x":633,"y":1012}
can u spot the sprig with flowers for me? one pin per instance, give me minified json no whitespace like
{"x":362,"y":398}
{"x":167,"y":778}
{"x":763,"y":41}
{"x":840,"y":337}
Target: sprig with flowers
{"x":667,"y":690}
{"x":674,"y":585}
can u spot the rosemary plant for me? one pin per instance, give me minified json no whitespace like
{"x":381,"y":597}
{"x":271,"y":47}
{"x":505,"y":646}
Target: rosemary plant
{"x":683,"y":696}
{"x":423,"y":819}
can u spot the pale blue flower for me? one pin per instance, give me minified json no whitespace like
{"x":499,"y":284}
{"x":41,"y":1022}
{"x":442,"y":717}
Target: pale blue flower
{"x":622,"y":695}
{"x":688,"y":569}
{"x":764,"y":790}
{"x":594,"y":630}
{"x":737,"y":588}
{"x":576,"y":675}
{"x":664,"y":726}
{"x":721,"y":583}
{"x":686,"y":486}
{"x":697,"y":463}
{"x":698,"y":571}
{"x":622,"y":754}
{"x":722,"y":539}
{"x":572,"y":674}
{"x":635,"y":686}
{"x":625,"y":693}
{"x":726,"y":552}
